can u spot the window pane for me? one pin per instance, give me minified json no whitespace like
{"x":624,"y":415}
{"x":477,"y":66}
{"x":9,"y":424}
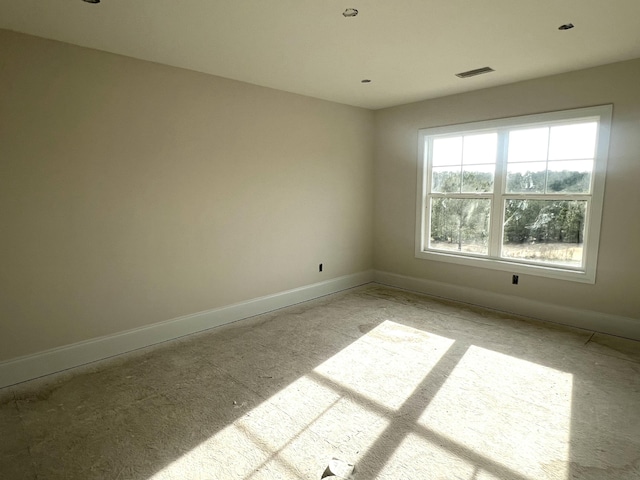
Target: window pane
{"x":569,"y":176}
{"x":447,"y":151}
{"x":477,"y":178}
{"x":544,"y":231}
{"x":573,"y":141}
{"x":528,"y":145}
{"x":526,"y":177}
{"x":480,"y":148}
{"x":460,"y":224}
{"x":445,"y":180}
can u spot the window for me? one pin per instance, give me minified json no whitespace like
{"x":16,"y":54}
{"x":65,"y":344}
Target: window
{"x":521,"y":194}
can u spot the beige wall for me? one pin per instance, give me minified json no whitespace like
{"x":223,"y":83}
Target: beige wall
{"x":132,"y":193}
{"x":617,"y":287}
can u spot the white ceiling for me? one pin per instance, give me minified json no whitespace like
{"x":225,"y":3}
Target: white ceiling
{"x":410,"y":49}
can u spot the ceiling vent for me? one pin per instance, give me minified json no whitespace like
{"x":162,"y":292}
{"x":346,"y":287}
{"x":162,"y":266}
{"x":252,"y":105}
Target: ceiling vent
{"x":473,"y":73}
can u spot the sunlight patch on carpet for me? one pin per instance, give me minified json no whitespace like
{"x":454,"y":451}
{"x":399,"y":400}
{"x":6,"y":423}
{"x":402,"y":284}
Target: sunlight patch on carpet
{"x":510,"y":411}
{"x":387,"y":364}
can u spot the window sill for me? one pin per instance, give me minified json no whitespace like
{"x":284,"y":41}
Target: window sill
{"x":555,"y":272}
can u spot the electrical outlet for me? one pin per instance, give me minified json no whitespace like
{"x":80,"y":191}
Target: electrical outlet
{"x":514,"y":279}
{"x":320,"y":267}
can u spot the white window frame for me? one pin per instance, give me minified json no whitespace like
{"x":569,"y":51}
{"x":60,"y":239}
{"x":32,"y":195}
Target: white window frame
{"x":586,"y":274}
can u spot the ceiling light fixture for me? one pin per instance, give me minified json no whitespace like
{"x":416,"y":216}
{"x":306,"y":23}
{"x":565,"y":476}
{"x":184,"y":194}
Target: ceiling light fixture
{"x":473,"y":73}
{"x":566,"y":26}
{"x":350,"y":12}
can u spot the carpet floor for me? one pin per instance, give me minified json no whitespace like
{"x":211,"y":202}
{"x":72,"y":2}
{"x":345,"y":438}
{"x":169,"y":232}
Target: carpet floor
{"x":401,"y":385}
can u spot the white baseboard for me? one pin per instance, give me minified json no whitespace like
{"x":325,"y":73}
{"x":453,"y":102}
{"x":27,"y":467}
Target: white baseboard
{"x":58,"y":359}
{"x":587,"y":319}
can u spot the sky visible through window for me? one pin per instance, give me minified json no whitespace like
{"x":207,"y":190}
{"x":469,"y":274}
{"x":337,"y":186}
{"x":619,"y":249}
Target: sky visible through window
{"x":563,"y":142}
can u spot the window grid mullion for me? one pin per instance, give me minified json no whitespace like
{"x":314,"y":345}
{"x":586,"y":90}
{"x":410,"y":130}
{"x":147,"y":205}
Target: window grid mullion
{"x":497,"y":206}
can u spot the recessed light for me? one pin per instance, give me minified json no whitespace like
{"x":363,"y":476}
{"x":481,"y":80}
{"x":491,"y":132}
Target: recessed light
{"x":366,"y":80}
{"x":566,"y":26}
{"x":350,"y":12}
